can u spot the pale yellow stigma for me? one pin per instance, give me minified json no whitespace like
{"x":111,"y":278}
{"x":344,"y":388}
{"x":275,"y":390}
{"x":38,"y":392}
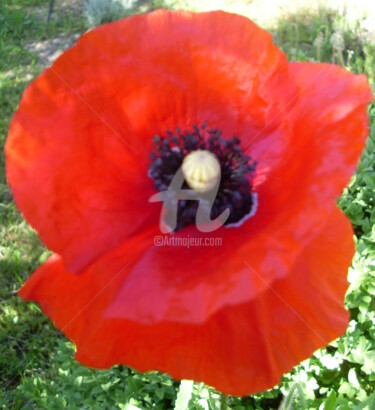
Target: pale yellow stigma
{"x":201,"y":170}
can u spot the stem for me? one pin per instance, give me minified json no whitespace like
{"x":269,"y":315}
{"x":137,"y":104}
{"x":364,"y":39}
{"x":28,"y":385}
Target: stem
{"x":184,"y":395}
{"x":341,"y":58}
{"x":288,"y":403}
{"x":224,"y":402}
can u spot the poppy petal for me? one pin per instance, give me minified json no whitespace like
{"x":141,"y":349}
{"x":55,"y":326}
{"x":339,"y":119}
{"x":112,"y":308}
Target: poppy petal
{"x":77,"y":151}
{"x":327,"y":128}
{"x":239,"y":350}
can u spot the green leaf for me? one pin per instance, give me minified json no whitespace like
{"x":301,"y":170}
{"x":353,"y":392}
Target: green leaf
{"x":369,"y":404}
{"x":330,"y":404}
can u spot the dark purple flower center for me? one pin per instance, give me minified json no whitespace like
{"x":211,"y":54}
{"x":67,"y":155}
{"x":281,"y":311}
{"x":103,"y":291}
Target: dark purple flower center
{"x":237,"y":171}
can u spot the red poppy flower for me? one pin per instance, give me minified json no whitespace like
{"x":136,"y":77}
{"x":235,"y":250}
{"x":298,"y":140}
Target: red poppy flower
{"x":235,"y":316}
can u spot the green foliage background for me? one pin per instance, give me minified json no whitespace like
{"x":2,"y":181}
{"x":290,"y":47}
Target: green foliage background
{"x":37,"y":368}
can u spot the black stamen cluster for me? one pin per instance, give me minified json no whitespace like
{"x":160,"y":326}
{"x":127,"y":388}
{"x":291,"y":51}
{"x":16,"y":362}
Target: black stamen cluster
{"x":235,"y":191}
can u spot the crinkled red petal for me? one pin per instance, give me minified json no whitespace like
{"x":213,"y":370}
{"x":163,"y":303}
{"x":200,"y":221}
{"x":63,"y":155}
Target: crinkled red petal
{"x":240,"y":349}
{"x":77,"y":151}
